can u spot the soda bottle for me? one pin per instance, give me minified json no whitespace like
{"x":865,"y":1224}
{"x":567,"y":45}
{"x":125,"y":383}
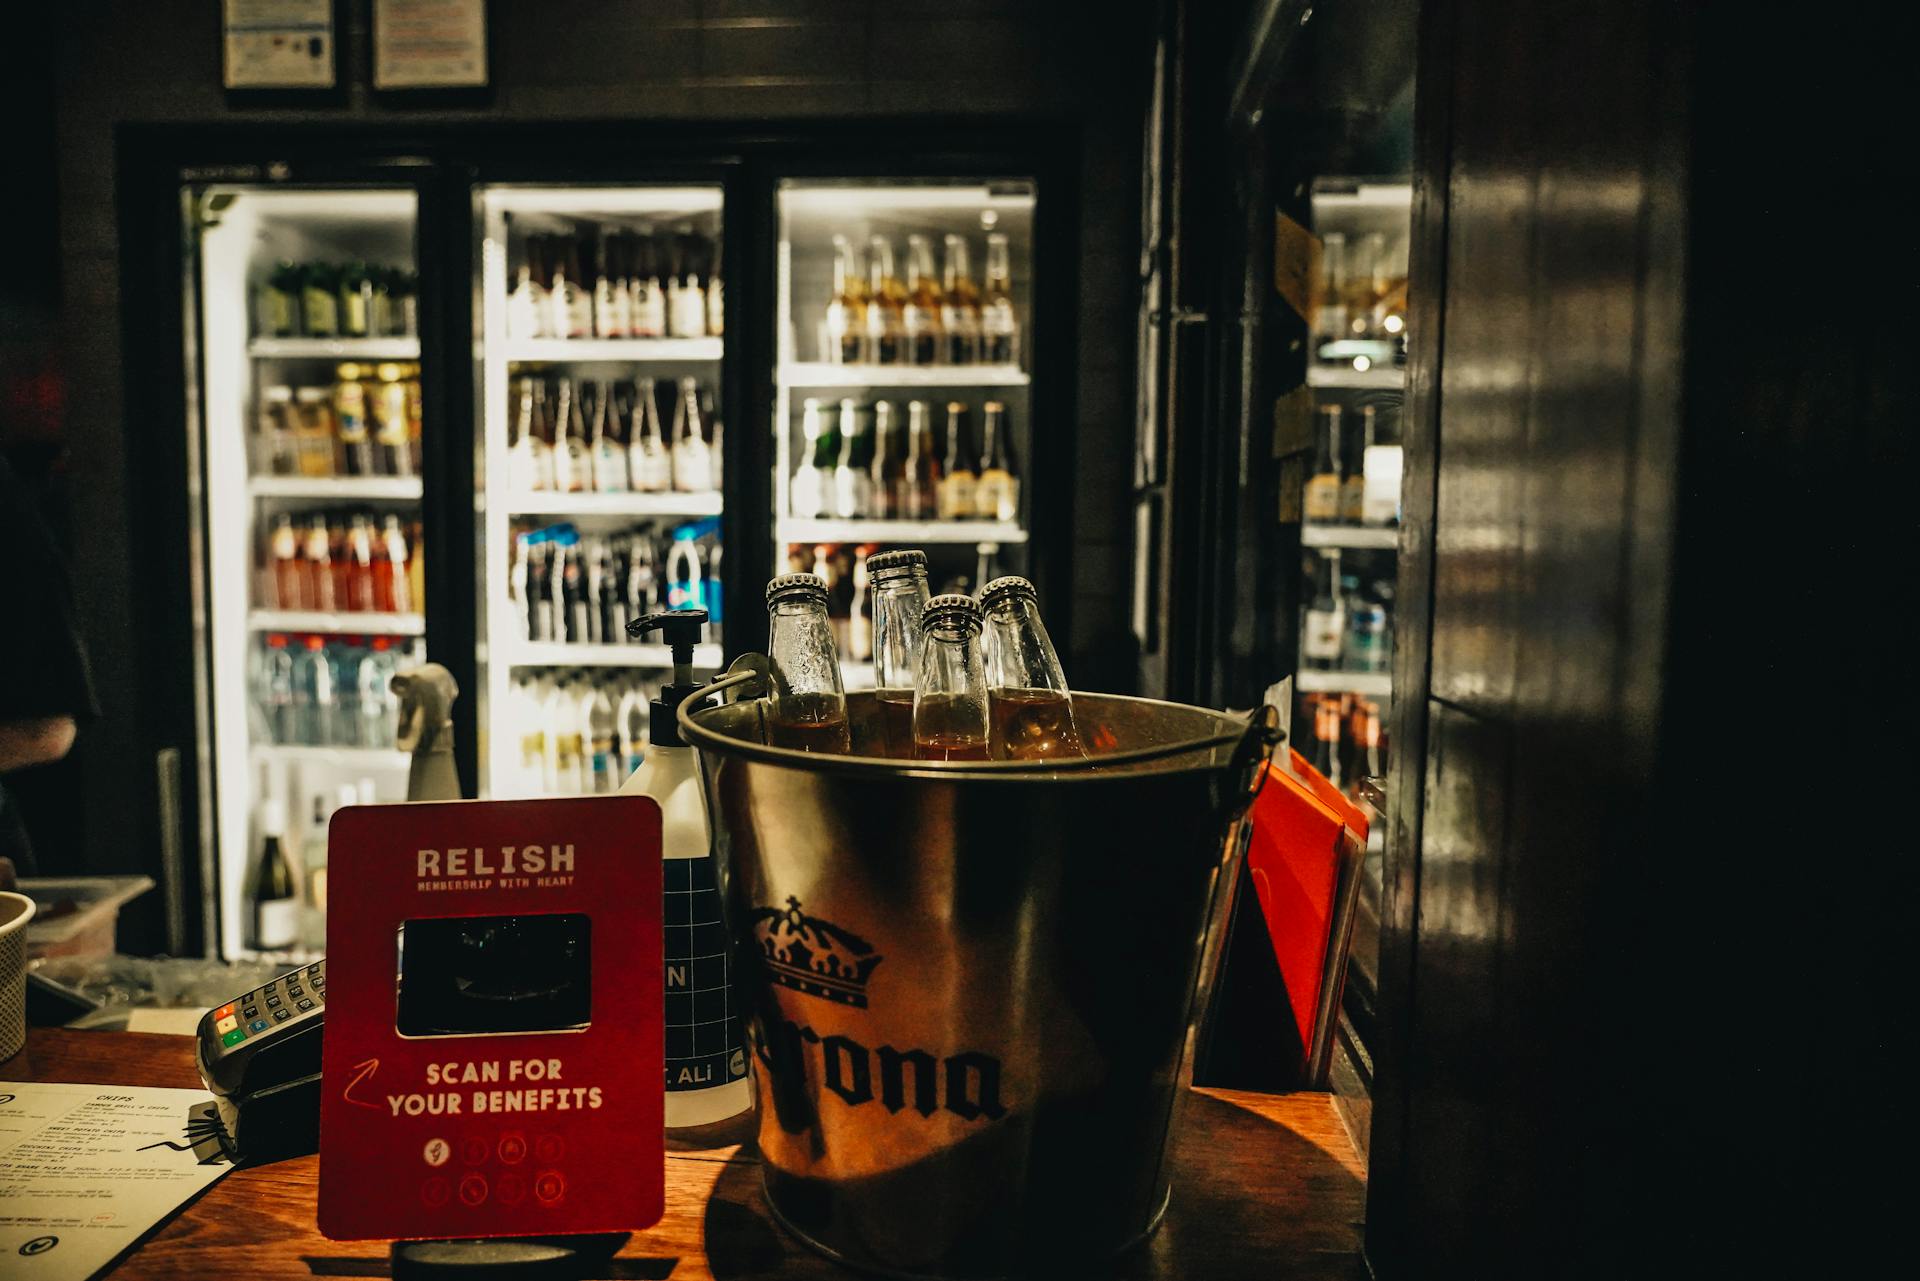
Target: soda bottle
{"x":950,"y":696}
{"x":288,"y":576}
{"x":809,"y":712}
{"x":898,"y":585}
{"x":318,"y":590}
{"x":1030,"y":711}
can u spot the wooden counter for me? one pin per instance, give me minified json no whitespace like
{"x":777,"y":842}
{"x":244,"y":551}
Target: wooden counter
{"x":1264,"y":1186}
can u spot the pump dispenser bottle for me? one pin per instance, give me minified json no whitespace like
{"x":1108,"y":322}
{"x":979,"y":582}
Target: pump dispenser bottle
{"x":706,"y":1046}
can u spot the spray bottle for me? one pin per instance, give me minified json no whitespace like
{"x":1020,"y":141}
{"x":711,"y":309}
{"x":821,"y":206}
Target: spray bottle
{"x":706,"y":1061}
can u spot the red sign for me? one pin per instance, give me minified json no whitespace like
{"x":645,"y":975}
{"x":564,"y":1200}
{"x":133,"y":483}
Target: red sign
{"x":492,"y":1058}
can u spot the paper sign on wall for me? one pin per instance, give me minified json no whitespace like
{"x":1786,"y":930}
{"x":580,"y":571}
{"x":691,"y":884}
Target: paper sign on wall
{"x":429,"y":44}
{"x":278,"y":44}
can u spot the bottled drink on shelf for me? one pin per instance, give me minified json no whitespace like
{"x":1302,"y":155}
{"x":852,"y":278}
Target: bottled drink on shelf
{"x":957,"y":500}
{"x":632,"y":720}
{"x":394,"y":418}
{"x":860,"y":615}
{"x":852,"y":482}
{"x":812,"y":491}
{"x":612,"y":313}
{"x":356,"y":299}
{"x":317,"y":590}
{"x":289,"y":575}
{"x":1361,"y":274}
{"x":845,"y":326}
{"x":603,"y":758}
{"x":686,"y":297}
{"x":646,"y":288}
{"x":996,"y":494}
{"x":316,"y":681}
{"x":686,"y":585}
{"x":1353,"y":481}
{"x":566,"y":740}
{"x":1368,"y":648}
{"x":572,"y":460}
{"x":570,"y":294}
{"x":1321,"y":502}
{"x":355,"y":447}
{"x":529,"y":456}
{"x":920,"y":314}
{"x":887,"y":472}
{"x":379,"y":705}
{"x":650,"y":463}
{"x":716,"y":292}
{"x":280,"y":302}
{"x":277,"y":433}
{"x":809,"y":705}
{"x":960,"y":306}
{"x":394,"y":589}
{"x":315,"y":407}
{"x":359,"y":564}
{"x":528,"y":308}
{"x":276,"y":691}
{"x":922,"y":490}
{"x":275,"y":898}
{"x":1330,"y":293}
{"x":1323,"y":635}
{"x":886,"y":298}
{"x":607,"y":445}
{"x":999,"y":322}
{"x":692,"y":452}
{"x":1380,"y":466}
{"x":899,"y":591}
{"x":1323,"y":749}
{"x":1031,"y":708}
{"x":950,"y":692}
{"x":319,"y":305}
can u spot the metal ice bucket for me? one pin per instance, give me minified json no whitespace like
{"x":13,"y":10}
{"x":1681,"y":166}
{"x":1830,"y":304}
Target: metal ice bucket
{"x":970,"y":988}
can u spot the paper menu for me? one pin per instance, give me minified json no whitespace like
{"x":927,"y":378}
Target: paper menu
{"x":87,"y":1170}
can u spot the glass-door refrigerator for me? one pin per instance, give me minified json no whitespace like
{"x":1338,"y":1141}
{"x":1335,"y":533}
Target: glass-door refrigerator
{"x":304,"y":441}
{"x":601,"y":333}
{"x":902,"y":408}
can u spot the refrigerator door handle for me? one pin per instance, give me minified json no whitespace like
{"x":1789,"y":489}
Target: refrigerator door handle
{"x":173,"y":868}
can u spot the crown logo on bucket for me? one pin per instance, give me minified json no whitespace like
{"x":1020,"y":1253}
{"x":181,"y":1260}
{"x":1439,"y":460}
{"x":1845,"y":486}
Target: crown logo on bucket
{"x":814,"y":956}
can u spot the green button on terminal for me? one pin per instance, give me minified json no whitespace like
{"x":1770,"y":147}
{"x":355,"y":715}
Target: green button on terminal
{"x":234,"y":1037}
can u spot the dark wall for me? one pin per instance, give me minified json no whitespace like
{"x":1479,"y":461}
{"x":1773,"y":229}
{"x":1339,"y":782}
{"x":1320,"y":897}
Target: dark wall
{"x":1635,"y":914}
{"x":578,"y":60}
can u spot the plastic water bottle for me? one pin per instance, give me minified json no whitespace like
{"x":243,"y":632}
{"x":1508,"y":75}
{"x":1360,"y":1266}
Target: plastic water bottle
{"x":378,"y":705}
{"x":316,"y":684}
{"x":347,"y":655}
{"x":277,"y":687}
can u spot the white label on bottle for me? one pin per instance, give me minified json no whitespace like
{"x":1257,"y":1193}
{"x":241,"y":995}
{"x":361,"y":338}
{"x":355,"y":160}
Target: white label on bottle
{"x":276,"y":924}
{"x":692,"y":467}
{"x":689,"y":311}
{"x":652,"y":469}
{"x":609,"y":468}
{"x":649,"y":310}
{"x":1325,"y":631}
{"x":607,"y":315}
{"x":956,"y":496}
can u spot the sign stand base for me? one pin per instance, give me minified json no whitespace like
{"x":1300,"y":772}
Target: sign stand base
{"x":557,"y":1258}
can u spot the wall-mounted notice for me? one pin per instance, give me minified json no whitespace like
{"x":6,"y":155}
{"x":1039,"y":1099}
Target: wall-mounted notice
{"x":429,"y":44}
{"x":278,"y":44}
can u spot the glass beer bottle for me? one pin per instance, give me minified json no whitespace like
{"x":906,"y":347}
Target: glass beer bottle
{"x":809,"y":712}
{"x":921,"y":313}
{"x":950,"y":694}
{"x":1031,"y":710}
{"x":898,"y":587}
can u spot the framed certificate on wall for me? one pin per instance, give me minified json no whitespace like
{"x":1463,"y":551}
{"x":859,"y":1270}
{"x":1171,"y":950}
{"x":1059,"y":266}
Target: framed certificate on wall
{"x":279,"y":44}
{"x":429,"y":44}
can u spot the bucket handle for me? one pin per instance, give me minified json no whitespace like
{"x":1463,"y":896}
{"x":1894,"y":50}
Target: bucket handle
{"x":1251,"y":757}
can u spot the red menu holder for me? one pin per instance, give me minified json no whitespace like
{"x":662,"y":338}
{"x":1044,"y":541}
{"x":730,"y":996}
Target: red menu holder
{"x":1304,"y":852}
{"x":493,"y":1051}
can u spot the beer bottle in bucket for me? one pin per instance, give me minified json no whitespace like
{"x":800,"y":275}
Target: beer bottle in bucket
{"x":898,"y":582}
{"x":809,"y":712}
{"x":1030,"y":709}
{"x":950,"y":697}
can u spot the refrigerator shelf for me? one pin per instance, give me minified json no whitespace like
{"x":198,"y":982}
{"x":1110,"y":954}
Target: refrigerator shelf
{"x":567,"y":654}
{"x":991,"y":532}
{"x":337,"y":488}
{"x":1374,"y":684}
{"x":549,"y":503}
{"x":365,"y":758}
{"x":818,"y":374}
{"x":1360,"y":537}
{"x":624,"y":350}
{"x":1379,"y":378}
{"x":358,"y":624}
{"x":334,"y":349}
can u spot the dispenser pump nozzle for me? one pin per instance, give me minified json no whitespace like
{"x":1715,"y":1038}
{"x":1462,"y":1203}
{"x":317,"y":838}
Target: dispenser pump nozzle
{"x":681,"y":629}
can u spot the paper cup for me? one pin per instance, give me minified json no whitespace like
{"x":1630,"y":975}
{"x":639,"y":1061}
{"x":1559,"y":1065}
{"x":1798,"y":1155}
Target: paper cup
{"x":15,"y":911}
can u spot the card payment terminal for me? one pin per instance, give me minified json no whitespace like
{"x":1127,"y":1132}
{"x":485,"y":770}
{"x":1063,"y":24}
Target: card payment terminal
{"x":260,"y":1056}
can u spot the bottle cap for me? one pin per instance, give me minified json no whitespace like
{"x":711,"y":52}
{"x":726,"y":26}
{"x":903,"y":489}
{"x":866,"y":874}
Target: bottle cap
{"x":953,"y":610}
{"x":1005,"y":588}
{"x":787,"y":586}
{"x":884,"y":564}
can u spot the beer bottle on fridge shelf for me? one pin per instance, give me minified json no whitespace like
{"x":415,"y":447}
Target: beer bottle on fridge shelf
{"x":280,"y":302}
{"x":922,"y":490}
{"x":576,"y":296}
{"x":999,"y":322}
{"x":852,"y":485}
{"x":1031,"y":707}
{"x":603,"y":760}
{"x":531,"y":462}
{"x":566,"y":741}
{"x":887,"y":474}
{"x":920,"y":316}
{"x":406,"y":303}
{"x":314,"y":416}
{"x":356,"y":299}
{"x":380,"y":317}
{"x":649,"y":463}
{"x":646,"y":291}
{"x":809,"y":703}
{"x":289,"y":576}
{"x":319,"y":307}
{"x":1360,"y":286}
{"x":1330,"y":294}
{"x":956,"y":481}
{"x":1321,"y":502}
{"x":960,"y":307}
{"x":899,"y":594}
{"x":839,"y":578}
{"x":609,"y":298}
{"x":950,"y":695}
{"x":528,"y":309}
{"x":539,"y":587}
{"x":692,"y":454}
{"x":611,"y":594}
{"x":860,"y":615}
{"x":354,"y":455}
{"x":811,"y":494}
{"x":608,"y":446}
{"x":1325,"y":628}
{"x":886,"y":328}
{"x":996,"y":494}
{"x":275,"y":901}
{"x":392,"y":422}
{"x":572,"y":461}
{"x":716,"y":431}
{"x":643,"y":577}
{"x":1353,"y":484}
{"x":845,"y":327}
{"x":379,"y":705}
{"x":716,"y":301}
{"x":575,"y":609}
{"x":277,"y":429}
{"x":686,"y":300}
